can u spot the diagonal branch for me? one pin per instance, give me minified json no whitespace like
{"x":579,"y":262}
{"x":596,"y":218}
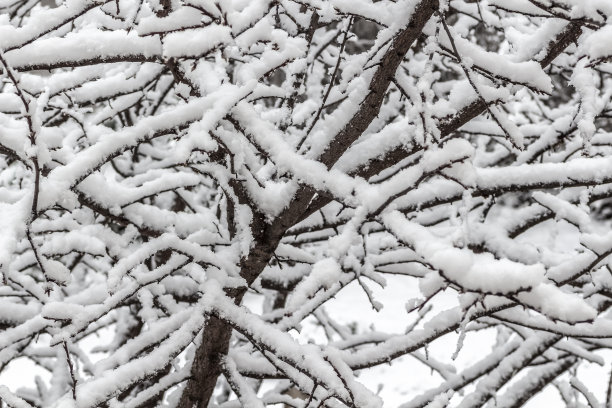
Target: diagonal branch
{"x":383,"y":76}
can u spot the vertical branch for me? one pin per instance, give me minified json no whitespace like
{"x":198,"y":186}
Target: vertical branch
{"x":32,"y":134}
{"x":473,"y":84}
{"x":32,"y":137}
{"x":332,"y":80}
{"x":71,"y":369}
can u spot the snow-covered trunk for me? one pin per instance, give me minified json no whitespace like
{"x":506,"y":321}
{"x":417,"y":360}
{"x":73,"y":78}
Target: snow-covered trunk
{"x":215,"y":343}
{"x":206,"y":365}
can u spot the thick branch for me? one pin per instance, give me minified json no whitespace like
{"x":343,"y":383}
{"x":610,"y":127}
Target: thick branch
{"x":380,"y":82}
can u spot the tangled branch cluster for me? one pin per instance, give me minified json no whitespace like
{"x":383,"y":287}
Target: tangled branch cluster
{"x":162,"y":159}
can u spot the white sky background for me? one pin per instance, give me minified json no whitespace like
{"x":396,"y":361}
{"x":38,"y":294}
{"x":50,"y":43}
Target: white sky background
{"x":406,"y":377}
